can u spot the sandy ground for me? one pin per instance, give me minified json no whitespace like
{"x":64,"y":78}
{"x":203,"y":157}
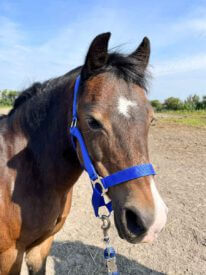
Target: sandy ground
{"x":179,"y":156}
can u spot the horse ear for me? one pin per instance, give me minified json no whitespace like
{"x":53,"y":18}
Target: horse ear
{"x":142,"y":53}
{"x":97,"y":55}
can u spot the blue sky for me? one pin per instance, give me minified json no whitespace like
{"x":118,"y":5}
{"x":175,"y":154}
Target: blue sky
{"x":44,"y":39}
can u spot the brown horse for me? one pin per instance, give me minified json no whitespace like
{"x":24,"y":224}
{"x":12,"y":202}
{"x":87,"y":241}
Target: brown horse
{"x":38,"y":165}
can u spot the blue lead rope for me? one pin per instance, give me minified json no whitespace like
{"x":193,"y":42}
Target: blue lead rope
{"x":110,"y":257}
{"x":100,"y":185}
{"x":109,"y":252}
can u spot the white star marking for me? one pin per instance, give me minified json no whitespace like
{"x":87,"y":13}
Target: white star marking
{"x":124,"y":104}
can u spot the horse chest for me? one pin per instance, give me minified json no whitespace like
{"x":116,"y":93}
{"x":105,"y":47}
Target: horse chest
{"x":47,"y":217}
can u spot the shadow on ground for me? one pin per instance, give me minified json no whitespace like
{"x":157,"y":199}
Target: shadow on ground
{"x":72,"y":258}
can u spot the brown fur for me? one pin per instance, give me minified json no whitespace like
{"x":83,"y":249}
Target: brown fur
{"x":38,"y":165}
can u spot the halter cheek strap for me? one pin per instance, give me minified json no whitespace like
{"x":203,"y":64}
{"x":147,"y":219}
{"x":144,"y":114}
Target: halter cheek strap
{"x":100,"y":185}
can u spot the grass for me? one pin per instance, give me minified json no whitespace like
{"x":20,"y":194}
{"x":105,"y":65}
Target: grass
{"x":4,"y":109}
{"x":187,"y":118}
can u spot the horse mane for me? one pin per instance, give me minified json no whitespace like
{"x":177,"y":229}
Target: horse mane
{"x":38,"y":89}
{"x":27,"y":94}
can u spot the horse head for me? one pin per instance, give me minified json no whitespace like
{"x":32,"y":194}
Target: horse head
{"x":114,"y":118}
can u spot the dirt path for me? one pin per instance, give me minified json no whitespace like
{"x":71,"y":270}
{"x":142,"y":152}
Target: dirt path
{"x":179,"y":155}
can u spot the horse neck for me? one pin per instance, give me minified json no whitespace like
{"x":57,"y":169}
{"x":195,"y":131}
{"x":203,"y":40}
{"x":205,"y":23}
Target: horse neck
{"x":50,"y":143}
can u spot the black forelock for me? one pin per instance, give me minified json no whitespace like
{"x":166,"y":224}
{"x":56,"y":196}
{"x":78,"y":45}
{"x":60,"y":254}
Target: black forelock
{"x":128,"y":68}
{"x":124,"y":67}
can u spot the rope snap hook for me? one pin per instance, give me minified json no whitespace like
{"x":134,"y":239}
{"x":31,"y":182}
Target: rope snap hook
{"x":109,"y":252}
{"x":105,"y":227}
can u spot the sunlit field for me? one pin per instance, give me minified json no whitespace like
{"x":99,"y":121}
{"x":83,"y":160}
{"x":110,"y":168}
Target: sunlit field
{"x":187,"y":118}
{"x":4,"y":110}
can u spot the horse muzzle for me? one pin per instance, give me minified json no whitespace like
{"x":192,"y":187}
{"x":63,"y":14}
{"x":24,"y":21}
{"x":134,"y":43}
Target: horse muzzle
{"x":140,"y":224}
{"x":131,"y":224}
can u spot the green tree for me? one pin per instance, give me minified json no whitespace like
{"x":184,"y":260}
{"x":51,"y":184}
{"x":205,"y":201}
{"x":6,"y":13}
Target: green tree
{"x":192,"y":102}
{"x":201,"y":105}
{"x":157,"y":105}
{"x":7,"y":97}
{"x":204,"y":101}
{"x":173,"y":103}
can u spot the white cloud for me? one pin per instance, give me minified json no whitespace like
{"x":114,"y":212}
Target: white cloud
{"x":194,"y":26}
{"x":179,"y":85}
{"x":23,"y":63}
{"x":175,"y":31}
{"x":10,"y":33}
{"x":183,"y":72}
{"x":188,"y":64}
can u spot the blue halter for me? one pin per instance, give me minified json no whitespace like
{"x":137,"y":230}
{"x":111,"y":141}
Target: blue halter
{"x":100,"y":185}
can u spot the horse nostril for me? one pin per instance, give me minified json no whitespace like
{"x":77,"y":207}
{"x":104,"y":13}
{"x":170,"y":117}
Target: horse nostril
{"x":134,"y":222}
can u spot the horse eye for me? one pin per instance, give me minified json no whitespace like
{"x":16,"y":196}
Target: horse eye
{"x":94,"y":124}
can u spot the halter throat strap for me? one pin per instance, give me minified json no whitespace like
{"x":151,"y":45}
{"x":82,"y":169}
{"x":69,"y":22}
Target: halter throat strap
{"x":100,"y":185}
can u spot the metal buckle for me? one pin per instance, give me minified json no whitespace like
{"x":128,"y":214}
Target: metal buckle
{"x":74,"y":123}
{"x":99,"y":181}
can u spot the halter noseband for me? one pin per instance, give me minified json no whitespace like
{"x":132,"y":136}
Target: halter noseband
{"x":100,"y":185}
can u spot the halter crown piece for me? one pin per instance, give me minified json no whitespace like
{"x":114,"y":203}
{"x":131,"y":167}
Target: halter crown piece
{"x":100,"y":185}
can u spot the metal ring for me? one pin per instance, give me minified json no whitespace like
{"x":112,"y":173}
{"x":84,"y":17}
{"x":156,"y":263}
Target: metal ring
{"x":98,"y":180}
{"x":74,"y":123}
{"x":106,"y":222}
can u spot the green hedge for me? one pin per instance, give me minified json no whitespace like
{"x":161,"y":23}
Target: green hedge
{"x":7,"y":97}
{"x":192,"y":103}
